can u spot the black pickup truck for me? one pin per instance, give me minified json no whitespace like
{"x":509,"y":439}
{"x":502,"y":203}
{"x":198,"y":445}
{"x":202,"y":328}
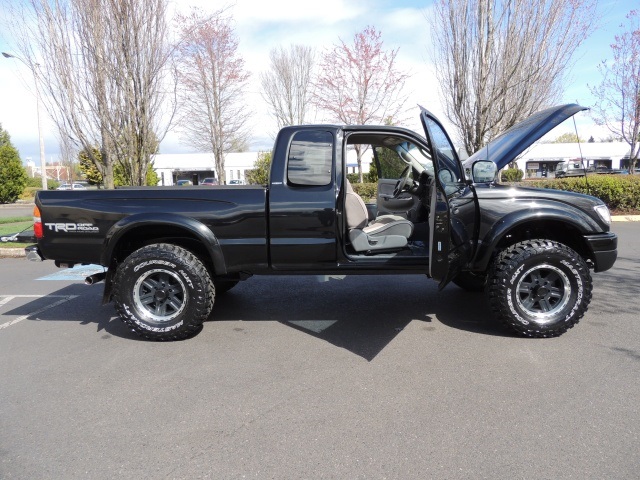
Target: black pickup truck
{"x":168,"y":252}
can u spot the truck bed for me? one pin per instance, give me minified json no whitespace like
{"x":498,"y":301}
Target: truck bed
{"x":79,"y":223}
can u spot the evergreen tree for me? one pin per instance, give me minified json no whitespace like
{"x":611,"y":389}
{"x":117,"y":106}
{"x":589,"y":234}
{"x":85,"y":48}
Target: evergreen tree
{"x":88,"y":168}
{"x":120,"y":172}
{"x":261,"y":169}
{"x":13,"y":177}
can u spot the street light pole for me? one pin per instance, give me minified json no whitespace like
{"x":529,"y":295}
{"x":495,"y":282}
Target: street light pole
{"x":43,"y":163}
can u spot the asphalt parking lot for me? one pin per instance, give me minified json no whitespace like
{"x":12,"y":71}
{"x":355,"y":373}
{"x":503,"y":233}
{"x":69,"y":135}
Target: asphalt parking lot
{"x":294,"y":377}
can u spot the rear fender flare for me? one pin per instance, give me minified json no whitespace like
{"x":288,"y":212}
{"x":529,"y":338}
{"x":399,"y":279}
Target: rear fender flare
{"x":196,"y":228}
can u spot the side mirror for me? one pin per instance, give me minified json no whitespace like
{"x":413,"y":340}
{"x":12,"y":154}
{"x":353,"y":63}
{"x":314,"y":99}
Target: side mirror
{"x":484,"y":171}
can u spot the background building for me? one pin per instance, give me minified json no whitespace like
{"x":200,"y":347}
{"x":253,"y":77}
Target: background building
{"x":544,"y":159}
{"x":195,"y":167}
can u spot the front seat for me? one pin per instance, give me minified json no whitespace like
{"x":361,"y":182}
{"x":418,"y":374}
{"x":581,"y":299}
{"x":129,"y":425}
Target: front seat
{"x":387,"y":232}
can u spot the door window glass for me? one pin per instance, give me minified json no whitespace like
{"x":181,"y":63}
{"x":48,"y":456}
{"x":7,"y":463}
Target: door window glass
{"x":391,"y":165}
{"x":393,"y":160}
{"x":448,"y":167}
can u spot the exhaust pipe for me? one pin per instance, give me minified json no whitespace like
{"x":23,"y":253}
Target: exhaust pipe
{"x":95,"y":278}
{"x":33,"y":253}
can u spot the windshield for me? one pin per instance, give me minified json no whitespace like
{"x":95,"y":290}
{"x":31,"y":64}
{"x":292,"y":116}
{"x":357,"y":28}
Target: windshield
{"x":415,"y":156}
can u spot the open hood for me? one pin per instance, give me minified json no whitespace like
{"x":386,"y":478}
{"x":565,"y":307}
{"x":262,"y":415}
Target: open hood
{"x":506,"y":147}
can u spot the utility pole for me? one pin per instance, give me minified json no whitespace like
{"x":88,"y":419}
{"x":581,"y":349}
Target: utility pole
{"x":43,"y":162}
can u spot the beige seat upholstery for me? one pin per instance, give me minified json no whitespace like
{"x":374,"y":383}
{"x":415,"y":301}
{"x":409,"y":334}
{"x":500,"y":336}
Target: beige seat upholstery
{"x":387,"y":232}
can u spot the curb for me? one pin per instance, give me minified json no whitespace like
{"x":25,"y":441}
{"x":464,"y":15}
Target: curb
{"x":12,"y":252}
{"x":625,"y":218}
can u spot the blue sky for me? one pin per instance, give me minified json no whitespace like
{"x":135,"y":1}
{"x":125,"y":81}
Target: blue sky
{"x":262,"y":26}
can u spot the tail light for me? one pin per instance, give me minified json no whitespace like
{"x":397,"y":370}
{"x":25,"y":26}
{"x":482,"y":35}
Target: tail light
{"x":37,"y":223}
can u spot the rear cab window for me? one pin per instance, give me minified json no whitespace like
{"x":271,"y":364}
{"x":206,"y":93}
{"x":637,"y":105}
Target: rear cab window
{"x":310,"y":159}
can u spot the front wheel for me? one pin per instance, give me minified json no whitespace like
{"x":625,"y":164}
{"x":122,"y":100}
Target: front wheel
{"x":471,"y":282}
{"x":539,"y":288}
{"x":163,"y":292}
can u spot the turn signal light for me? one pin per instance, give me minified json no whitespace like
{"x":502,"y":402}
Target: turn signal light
{"x":37,"y":223}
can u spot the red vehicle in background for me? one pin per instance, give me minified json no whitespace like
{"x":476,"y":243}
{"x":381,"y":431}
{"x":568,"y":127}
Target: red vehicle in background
{"x":209,"y":181}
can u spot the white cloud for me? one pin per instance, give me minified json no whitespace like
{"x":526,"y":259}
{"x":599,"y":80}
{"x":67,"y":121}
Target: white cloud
{"x":262,"y":25}
{"x":327,"y":12}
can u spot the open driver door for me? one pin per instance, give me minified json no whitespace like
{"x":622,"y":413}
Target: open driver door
{"x":449,"y":189}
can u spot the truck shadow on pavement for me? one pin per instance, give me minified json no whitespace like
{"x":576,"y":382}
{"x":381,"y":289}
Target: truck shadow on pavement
{"x":362,"y":314}
{"x":618,"y":290}
{"x":83,"y":306}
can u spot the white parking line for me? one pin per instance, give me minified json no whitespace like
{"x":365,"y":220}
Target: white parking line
{"x":7,"y":298}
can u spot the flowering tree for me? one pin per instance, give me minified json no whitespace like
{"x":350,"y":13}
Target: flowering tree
{"x":618,"y":96}
{"x":360,"y":84}
{"x":212,"y":82}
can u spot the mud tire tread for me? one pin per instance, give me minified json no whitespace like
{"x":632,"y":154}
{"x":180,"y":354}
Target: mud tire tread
{"x":506,"y":264}
{"x":202,"y":295}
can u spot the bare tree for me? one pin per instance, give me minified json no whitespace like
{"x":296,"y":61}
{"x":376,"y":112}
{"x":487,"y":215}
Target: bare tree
{"x":212,"y":84}
{"x":618,"y":96}
{"x":498,"y":61}
{"x":68,"y":154}
{"x":286,"y":87}
{"x":104,"y":66}
{"x":360,"y":84}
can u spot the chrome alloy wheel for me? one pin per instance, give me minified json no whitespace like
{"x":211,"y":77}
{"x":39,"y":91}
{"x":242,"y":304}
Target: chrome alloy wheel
{"x":542,"y":291}
{"x":160,"y":294}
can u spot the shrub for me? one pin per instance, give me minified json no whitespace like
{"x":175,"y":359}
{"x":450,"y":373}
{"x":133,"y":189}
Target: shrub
{"x":619,"y":192}
{"x":353,"y":178}
{"x":512,"y":175}
{"x":29,"y":193}
{"x":366,"y":190}
{"x":36,"y":182}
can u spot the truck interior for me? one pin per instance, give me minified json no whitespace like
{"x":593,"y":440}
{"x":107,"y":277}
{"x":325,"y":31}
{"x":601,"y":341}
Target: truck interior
{"x":395,"y":222}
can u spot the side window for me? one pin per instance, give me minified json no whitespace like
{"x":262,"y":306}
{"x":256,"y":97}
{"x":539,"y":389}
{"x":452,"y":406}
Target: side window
{"x":310,"y":158}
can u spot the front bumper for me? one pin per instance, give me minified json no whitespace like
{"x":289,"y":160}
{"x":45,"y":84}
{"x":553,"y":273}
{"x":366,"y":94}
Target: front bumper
{"x":604,"y":250}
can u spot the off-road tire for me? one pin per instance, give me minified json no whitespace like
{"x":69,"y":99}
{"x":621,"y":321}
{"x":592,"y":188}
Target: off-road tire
{"x":539,"y":288}
{"x":163,"y":292}
{"x":470,"y":282}
{"x":223,"y":286}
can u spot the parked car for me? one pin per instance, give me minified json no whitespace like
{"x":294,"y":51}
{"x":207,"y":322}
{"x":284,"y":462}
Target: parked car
{"x":236,"y":182}
{"x":183,"y":183}
{"x":71,"y":186}
{"x":209,"y":181}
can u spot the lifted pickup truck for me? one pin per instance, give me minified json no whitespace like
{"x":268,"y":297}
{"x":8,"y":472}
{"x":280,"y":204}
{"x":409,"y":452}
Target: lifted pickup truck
{"x":168,"y":252}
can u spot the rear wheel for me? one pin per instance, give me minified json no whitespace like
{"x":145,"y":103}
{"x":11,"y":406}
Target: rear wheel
{"x":223,"y":286}
{"x":539,"y":288}
{"x":163,"y":292}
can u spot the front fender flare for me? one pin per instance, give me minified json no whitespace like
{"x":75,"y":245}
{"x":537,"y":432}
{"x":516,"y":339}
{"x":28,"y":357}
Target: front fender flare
{"x":487,"y":246}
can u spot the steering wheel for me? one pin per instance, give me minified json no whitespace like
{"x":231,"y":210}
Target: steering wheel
{"x":402,"y":182}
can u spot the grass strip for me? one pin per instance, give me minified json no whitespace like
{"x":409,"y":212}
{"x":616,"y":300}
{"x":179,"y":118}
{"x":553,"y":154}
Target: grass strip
{"x":15,"y":220}
{"x":8,"y":228}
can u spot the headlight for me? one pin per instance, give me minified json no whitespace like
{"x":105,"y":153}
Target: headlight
{"x":603,"y":212}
